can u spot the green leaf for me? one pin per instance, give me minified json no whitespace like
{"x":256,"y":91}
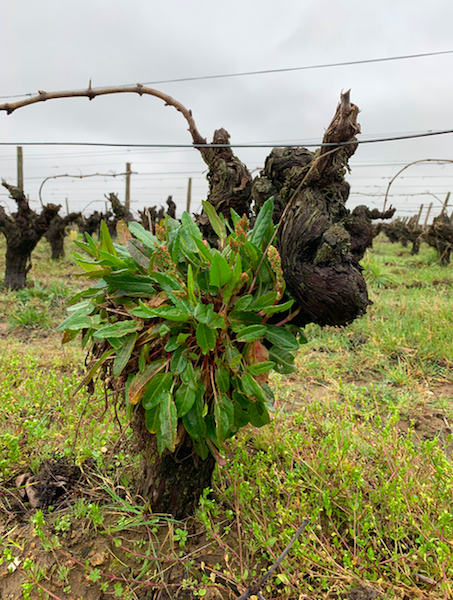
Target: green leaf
{"x":168,"y":420}
{"x":204,"y":313}
{"x":140,"y":380}
{"x":251,"y":387}
{"x":220,"y":271}
{"x":222,"y":378}
{"x":214,"y":219}
{"x":169,"y":284}
{"x":201,"y":449}
{"x":172,"y":344}
{"x":191,"y":286}
{"x":264,"y":227}
{"x":260,"y":368}
{"x":106,"y":240}
{"x":152,"y":419}
{"x":253,"y":254}
{"x":116,"y":330}
{"x":250,"y":333}
{"x":131,"y":284}
{"x":76,"y":322}
{"x":203,"y":249}
{"x":277,"y":308}
{"x":123,"y":355}
{"x":89,"y":246}
{"x":241,"y":416}
{"x":235,"y":217}
{"x":159,"y":385}
{"x":189,"y":227}
{"x":193,"y":420}
{"x":184,"y":399}
{"x":86,"y":263}
{"x":206,"y":338}
{"x":143,"y":235}
{"x":224,"y":416}
{"x":284,"y":360}
{"x":110,"y":260}
{"x":163,"y":312}
{"x":270,"y":398}
{"x":188,"y":376}
{"x":258,"y":414}
{"x":182,"y":337}
{"x":239,"y":317}
{"x":174,"y":241}
{"x":230,"y":286}
{"x":282,"y":338}
{"x":143,"y":359}
{"x":138,"y":253}
{"x":178,"y":361}
{"x":265,"y":300}
{"x":233,"y":357}
{"x":243,"y":303}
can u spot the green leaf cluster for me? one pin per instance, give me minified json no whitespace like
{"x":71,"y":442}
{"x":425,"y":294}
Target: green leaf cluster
{"x":182,"y":327}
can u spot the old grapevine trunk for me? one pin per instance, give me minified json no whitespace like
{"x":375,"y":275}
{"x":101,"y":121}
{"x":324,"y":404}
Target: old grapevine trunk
{"x":320,"y":272}
{"x":310,"y":192}
{"x":56,"y":233}
{"x":22,"y":230}
{"x":174,"y":482}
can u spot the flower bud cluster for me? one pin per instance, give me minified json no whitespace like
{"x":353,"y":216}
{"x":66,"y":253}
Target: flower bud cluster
{"x":160,"y":232}
{"x":242,"y":226}
{"x":276,"y":265}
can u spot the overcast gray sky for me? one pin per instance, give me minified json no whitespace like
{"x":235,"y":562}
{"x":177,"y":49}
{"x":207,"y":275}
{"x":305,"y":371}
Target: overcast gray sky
{"x":55,"y":45}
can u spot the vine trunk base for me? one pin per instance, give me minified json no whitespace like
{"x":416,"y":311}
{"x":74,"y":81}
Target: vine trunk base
{"x":173,"y":482}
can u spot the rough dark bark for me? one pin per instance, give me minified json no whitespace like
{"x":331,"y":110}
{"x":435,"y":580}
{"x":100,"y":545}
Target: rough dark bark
{"x":230,"y":182}
{"x":92,"y":224}
{"x":360,"y":228}
{"x":56,"y":233}
{"x":171,"y":207}
{"x":120,"y":213}
{"x":22,"y":230}
{"x":173,"y":483}
{"x":440,"y":236}
{"x":320,"y":272}
{"x":151,"y":216}
{"x":404,"y":231}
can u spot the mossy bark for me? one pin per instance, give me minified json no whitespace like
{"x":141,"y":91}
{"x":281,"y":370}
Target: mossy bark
{"x":310,"y":193}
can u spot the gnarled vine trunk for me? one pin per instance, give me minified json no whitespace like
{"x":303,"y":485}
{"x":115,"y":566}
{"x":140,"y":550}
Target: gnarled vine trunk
{"x":310,"y":192}
{"x":173,"y":482}
{"x":320,"y":271}
{"x":22,"y":231}
{"x":56,"y":233}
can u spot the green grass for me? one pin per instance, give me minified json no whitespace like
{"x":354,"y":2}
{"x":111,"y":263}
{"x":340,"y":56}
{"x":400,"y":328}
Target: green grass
{"x":360,"y":445}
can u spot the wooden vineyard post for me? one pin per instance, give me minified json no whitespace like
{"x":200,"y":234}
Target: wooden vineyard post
{"x":20,"y":168}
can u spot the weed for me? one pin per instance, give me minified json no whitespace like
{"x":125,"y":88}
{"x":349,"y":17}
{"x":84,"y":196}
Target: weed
{"x":28,"y":317}
{"x":376,"y":273}
{"x":180,"y":535}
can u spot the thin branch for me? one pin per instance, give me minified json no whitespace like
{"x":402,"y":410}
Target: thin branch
{"x":91,"y":93}
{"x":422,"y":160}
{"x":255,"y":588}
{"x":80,"y":177}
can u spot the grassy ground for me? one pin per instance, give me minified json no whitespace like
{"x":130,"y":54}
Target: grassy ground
{"x":360,"y":445}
